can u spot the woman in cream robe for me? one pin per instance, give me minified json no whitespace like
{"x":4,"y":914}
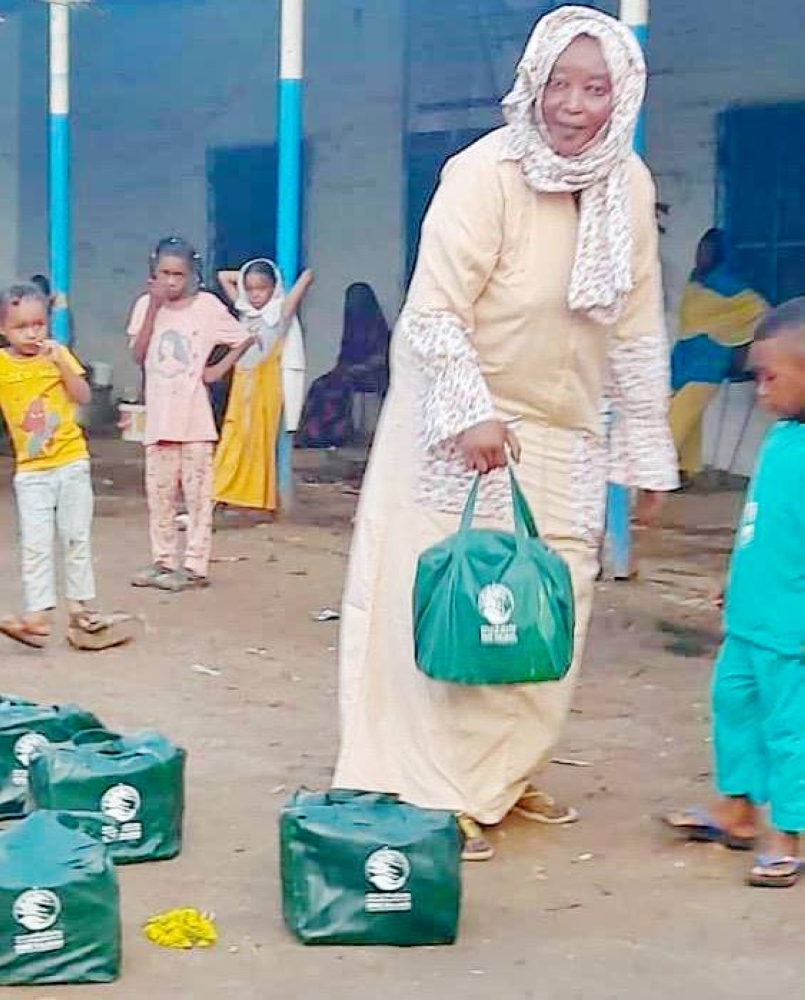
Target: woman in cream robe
{"x":536,"y":296}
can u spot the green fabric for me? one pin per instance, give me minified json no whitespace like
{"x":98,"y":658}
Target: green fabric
{"x":492,"y":607}
{"x":136,"y":782}
{"x":361,"y":868}
{"x":759,"y":730}
{"x":766,"y":589}
{"x":59,"y":903}
{"x":24,"y":728}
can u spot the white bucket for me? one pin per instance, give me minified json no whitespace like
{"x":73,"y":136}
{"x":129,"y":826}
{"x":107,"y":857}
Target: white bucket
{"x":101,"y":374}
{"x":132,"y":422}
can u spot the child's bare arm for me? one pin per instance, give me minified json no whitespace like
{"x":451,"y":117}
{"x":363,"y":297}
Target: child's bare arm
{"x":293,"y":299}
{"x":214,"y":373}
{"x":141,"y":343}
{"x":76,"y":384}
{"x":229,"y":282}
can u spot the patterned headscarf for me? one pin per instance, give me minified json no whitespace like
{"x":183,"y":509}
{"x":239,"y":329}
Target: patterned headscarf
{"x":602,"y":272}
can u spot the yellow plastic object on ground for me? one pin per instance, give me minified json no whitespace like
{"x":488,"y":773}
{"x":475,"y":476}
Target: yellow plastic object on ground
{"x":183,"y":928}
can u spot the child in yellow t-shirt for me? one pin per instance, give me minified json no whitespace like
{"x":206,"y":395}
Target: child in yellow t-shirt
{"x":41,"y":385}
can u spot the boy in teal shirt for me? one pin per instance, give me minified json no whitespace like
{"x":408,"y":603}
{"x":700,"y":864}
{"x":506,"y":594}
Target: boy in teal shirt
{"x":759,"y":684}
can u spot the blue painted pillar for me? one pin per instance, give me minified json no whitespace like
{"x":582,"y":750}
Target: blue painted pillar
{"x":59,"y":169}
{"x":289,"y":188}
{"x":634,"y":13}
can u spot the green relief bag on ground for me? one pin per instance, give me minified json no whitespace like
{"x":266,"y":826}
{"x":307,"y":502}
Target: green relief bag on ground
{"x":361,"y":868}
{"x":492,"y":607}
{"x":59,"y":903}
{"x":25,"y":728}
{"x":135,"y":782}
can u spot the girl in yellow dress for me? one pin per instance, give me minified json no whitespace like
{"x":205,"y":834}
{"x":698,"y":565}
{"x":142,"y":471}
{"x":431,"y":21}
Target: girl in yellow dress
{"x":264,"y":383}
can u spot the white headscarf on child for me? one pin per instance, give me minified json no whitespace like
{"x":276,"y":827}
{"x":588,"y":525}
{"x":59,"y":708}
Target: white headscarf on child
{"x":293,"y":352}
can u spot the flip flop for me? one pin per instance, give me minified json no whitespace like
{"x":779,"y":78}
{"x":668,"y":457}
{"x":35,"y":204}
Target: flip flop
{"x":545,"y":809}
{"x":475,"y":846}
{"x":788,"y":874}
{"x":94,"y":632}
{"x":21,"y":631}
{"x":697,"y":825}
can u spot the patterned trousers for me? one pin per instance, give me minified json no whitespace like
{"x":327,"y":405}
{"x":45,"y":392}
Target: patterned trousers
{"x":173,"y":470}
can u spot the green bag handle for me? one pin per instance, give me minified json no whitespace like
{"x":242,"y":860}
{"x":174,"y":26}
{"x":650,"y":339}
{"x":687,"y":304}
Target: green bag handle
{"x":342,"y":796}
{"x":100,"y":737}
{"x":524,"y":524}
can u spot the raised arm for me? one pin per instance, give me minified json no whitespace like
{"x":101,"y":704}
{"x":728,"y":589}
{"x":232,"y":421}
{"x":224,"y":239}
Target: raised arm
{"x":229,"y":282}
{"x":293,"y":300}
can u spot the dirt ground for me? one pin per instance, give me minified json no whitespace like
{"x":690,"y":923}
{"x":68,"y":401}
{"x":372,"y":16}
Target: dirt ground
{"x":608,"y":909}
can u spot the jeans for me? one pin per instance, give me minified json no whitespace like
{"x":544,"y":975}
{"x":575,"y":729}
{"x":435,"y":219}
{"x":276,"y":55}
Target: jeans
{"x":55,"y":500}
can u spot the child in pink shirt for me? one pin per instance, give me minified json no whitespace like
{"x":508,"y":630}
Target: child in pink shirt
{"x":172,"y":331}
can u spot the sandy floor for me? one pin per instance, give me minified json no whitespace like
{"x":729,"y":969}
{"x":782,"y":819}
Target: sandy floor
{"x":606,"y":909}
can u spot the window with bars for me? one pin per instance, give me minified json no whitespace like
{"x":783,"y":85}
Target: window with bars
{"x":762,"y":195}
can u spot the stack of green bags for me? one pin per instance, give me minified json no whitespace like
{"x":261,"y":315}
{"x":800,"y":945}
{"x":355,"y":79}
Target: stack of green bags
{"x":94,"y":799}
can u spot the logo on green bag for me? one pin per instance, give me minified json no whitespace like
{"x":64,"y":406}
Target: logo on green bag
{"x":28,"y":746}
{"x":121,"y":803}
{"x":37,"y":909}
{"x":496,"y":605}
{"x":388,"y":871}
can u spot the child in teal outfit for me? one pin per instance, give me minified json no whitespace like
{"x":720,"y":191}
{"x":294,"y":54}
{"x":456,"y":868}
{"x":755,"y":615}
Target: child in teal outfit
{"x":759,"y":684}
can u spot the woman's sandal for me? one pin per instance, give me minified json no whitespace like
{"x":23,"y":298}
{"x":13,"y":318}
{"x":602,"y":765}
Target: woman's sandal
{"x":475,"y":846}
{"x":539,"y":807}
{"x":775,"y":871}
{"x":88,"y":630}
{"x":697,"y":825}
{"x":18,"y":630}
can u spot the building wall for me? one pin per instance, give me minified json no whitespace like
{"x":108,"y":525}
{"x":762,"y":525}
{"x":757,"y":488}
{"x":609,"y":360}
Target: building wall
{"x":156,"y":86}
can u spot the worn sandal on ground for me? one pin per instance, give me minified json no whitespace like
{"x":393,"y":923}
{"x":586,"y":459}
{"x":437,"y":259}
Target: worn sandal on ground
{"x":775,"y":871}
{"x":539,"y":807}
{"x":18,"y":630}
{"x":696,"y":824}
{"x":88,"y":630}
{"x":475,"y":845}
{"x":181,"y":580}
{"x":150,"y":576}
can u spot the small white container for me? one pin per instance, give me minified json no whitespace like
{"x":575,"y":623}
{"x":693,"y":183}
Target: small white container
{"x":132,"y":422}
{"x":101,"y":374}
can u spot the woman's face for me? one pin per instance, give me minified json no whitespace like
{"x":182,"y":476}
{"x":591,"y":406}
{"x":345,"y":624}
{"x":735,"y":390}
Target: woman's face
{"x":259,"y":289}
{"x":578,"y":98}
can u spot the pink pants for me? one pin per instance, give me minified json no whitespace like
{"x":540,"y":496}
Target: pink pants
{"x":174,"y":470}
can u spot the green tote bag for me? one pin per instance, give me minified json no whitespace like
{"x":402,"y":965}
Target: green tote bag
{"x":59,"y":903}
{"x":363,"y":868}
{"x":25,"y":729}
{"x":493,"y":607}
{"x":135,"y":782}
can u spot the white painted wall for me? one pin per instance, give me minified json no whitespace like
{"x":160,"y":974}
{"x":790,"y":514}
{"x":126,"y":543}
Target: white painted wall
{"x":155,"y":87}
{"x":356,"y":192}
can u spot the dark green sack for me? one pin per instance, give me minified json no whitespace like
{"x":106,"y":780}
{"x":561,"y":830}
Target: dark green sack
{"x":135,"y":782}
{"x":363,"y":868}
{"x":491,"y":607}
{"x":24,"y":729}
{"x":59,"y":903}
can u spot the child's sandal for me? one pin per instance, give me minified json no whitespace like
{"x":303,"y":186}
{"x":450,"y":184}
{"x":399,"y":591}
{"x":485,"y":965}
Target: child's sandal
{"x":18,"y":630}
{"x":88,"y":630}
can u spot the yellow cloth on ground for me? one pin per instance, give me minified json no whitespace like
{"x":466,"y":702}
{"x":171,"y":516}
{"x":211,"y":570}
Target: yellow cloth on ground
{"x":40,"y":416}
{"x":245,"y":462}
